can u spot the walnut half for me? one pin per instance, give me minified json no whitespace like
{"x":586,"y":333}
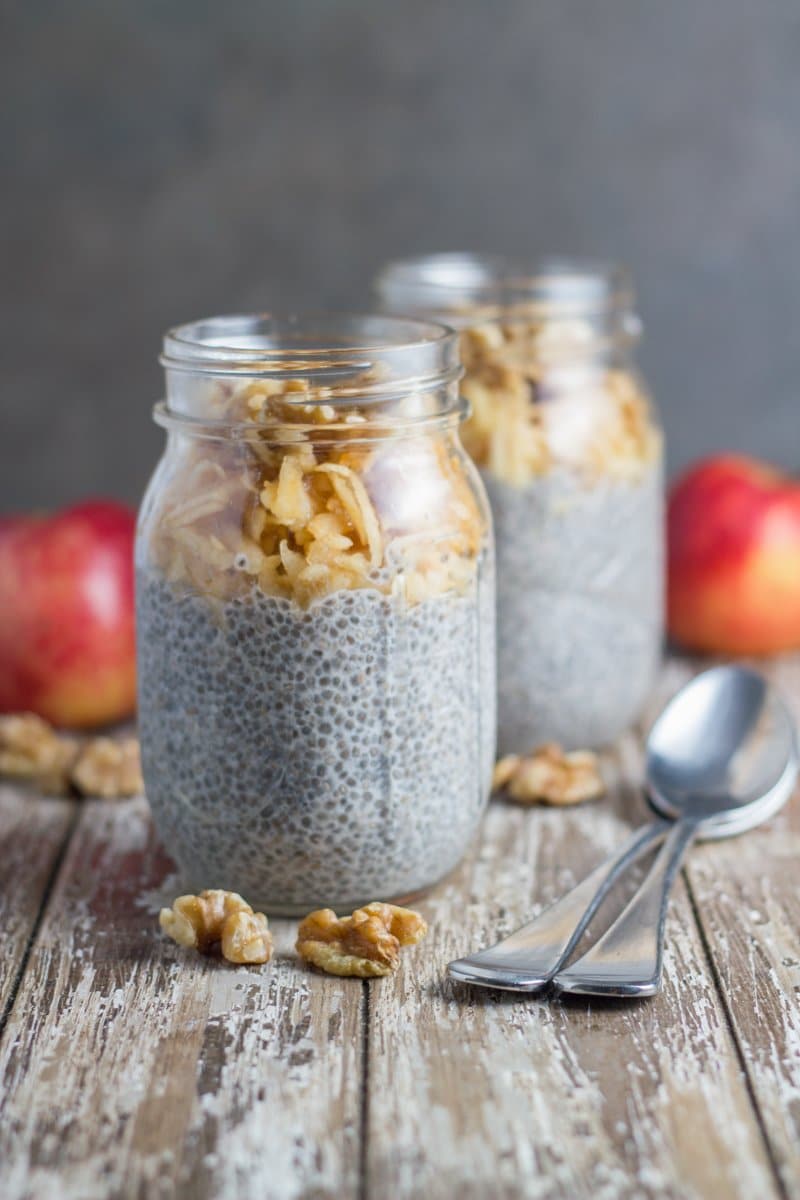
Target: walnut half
{"x":550,"y":776}
{"x":366,"y":944}
{"x":109,"y":768}
{"x":219,"y":918}
{"x":32,"y":750}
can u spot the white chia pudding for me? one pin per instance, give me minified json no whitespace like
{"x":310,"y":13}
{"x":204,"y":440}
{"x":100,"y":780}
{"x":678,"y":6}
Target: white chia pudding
{"x":315,"y":757}
{"x":579,"y":602}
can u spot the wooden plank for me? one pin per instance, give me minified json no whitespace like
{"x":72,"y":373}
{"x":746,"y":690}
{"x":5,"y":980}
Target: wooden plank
{"x":131,"y":1067}
{"x":747,"y":894}
{"x":474,"y":1093}
{"x":32,"y":834}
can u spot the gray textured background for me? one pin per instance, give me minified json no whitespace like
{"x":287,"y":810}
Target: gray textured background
{"x":164,"y":161}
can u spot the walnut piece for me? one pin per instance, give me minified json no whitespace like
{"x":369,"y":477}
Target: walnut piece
{"x":246,"y":938}
{"x":365,"y":944}
{"x":31,"y":749}
{"x":108,"y":768}
{"x":307,"y":515}
{"x":504,"y":770}
{"x":219,"y":918}
{"x":550,"y":776}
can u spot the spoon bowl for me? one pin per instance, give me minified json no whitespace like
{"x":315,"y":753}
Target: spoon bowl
{"x":724,"y":744}
{"x":721,"y":759}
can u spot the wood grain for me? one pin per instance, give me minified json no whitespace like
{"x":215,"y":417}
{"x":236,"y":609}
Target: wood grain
{"x":747,"y":895}
{"x":131,"y":1067}
{"x":476,"y":1094}
{"x":32,"y":834}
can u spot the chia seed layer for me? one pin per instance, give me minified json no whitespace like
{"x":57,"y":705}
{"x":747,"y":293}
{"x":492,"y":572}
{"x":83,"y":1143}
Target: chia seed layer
{"x":315,"y":758}
{"x":579,"y":606}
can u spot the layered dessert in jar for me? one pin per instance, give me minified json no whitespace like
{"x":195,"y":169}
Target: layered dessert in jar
{"x":315,"y":617}
{"x":570,"y":451}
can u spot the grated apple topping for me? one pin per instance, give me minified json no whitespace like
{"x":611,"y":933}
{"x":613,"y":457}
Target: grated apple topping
{"x":539,"y":399}
{"x":298,"y":506}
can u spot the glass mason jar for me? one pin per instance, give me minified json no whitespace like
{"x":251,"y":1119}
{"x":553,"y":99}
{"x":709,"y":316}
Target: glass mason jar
{"x":315,"y":611}
{"x":570,"y":450}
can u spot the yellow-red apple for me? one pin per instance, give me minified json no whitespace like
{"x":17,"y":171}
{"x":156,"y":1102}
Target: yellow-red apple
{"x":67,"y":647}
{"x":734,"y":558}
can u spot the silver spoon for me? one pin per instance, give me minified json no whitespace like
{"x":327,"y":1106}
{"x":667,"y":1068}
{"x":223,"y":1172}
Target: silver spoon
{"x":721,"y":759}
{"x":727,"y":739}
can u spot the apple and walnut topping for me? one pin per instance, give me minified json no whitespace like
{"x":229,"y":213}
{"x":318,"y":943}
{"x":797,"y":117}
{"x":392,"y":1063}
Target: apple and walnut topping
{"x":311,"y":499}
{"x":33,"y":751}
{"x":549,"y":775}
{"x":539,"y":399}
{"x":218,"y":919}
{"x":365,"y":944}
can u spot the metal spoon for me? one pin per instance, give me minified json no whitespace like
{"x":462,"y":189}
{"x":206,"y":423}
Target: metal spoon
{"x":713,"y":739}
{"x":721,"y":759}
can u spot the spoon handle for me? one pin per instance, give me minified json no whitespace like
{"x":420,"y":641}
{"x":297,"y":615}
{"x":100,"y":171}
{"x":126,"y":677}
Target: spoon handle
{"x":527,"y":959}
{"x":627,"y":959}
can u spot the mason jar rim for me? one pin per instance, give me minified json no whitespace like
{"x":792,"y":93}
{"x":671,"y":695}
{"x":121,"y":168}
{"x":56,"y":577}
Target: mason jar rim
{"x":325,"y":346}
{"x":564,"y":286}
{"x":392,"y":372}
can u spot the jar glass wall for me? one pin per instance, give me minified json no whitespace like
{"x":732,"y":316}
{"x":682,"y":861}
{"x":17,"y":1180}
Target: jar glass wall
{"x":315,"y":612}
{"x":570,"y":450}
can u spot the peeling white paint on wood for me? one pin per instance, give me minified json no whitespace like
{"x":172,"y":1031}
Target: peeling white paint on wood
{"x":130,"y":1067}
{"x":485,"y":1094}
{"x":133,"y":1067}
{"x":32,"y":833}
{"x":747,"y":893}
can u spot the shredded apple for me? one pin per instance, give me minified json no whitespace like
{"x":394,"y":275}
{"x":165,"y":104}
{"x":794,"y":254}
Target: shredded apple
{"x":301,"y":508}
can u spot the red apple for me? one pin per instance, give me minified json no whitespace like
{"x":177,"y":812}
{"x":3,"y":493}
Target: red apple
{"x":734,"y":558}
{"x":66,"y":614}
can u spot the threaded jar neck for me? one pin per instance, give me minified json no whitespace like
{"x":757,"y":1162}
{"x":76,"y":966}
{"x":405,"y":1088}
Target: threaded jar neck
{"x":467,"y":289}
{"x":317,"y":375}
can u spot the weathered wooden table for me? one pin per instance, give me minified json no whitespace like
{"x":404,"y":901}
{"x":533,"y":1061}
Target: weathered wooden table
{"x":131,"y":1068}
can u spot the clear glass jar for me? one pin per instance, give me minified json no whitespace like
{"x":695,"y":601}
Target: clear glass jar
{"x":570,"y":450}
{"x":315,"y":611}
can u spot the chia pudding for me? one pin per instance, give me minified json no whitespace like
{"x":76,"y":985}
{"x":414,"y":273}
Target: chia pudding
{"x":579,"y":606}
{"x":316,"y":633}
{"x":319,"y":757}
